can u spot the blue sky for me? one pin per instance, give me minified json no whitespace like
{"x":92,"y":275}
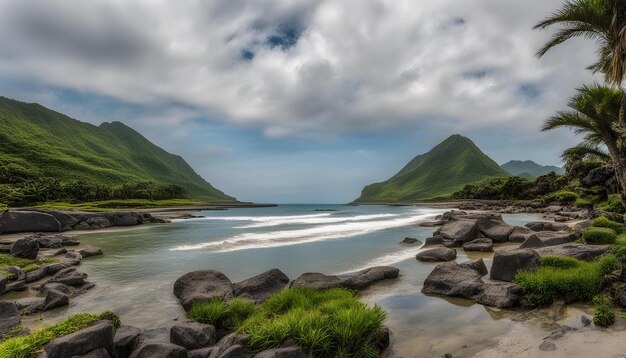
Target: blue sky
{"x":281,"y":101}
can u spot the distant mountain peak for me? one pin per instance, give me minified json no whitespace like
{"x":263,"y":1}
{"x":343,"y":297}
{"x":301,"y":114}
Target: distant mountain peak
{"x":529,"y":169}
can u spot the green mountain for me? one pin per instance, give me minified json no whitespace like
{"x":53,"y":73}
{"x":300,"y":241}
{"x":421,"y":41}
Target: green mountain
{"x":446,"y":168}
{"x":529,"y":169}
{"x":38,"y":142}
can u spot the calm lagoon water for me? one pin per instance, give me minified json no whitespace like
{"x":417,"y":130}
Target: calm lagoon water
{"x":135,"y":276}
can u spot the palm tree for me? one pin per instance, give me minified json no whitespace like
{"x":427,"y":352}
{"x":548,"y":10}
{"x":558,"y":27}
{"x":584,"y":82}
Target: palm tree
{"x":593,"y":113}
{"x":601,"y":20}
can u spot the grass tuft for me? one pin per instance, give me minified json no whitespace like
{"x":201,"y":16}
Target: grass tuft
{"x":598,"y":236}
{"x":325,"y":323}
{"x":559,"y":262}
{"x":603,"y":221}
{"x":603,"y":314}
{"x":31,"y":345}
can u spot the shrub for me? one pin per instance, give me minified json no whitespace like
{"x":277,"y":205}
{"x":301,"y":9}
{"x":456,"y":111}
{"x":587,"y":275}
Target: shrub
{"x":613,"y":204}
{"x":619,"y":247}
{"x":326,"y":324}
{"x":603,"y":314}
{"x":30,"y":346}
{"x":603,"y":221}
{"x":559,"y":262}
{"x":563,"y":197}
{"x":580,"y":282}
{"x":598,"y":236}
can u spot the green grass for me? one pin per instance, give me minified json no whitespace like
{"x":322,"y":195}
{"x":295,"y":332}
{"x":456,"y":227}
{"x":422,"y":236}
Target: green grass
{"x":563,"y":197}
{"x":598,"y":236}
{"x":31,"y":345}
{"x":332,"y":323}
{"x":603,"y":314}
{"x":26,"y":265}
{"x":619,"y":247}
{"x":580,"y":281}
{"x":446,"y":168}
{"x":561,"y":262}
{"x":603,"y":221}
{"x":612,"y":204}
{"x":107,"y":205}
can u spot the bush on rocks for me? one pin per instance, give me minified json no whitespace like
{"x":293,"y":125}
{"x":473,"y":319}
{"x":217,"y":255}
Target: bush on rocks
{"x":598,"y":236}
{"x":603,"y":314}
{"x":603,"y":221}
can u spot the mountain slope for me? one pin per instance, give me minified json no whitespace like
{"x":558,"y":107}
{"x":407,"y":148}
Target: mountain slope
{"x":446,"y":168}
{"x":56,"y":146}
{"x":529,"y":169}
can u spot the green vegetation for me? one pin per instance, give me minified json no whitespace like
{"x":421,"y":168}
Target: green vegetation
{"x":598,"y":236}
{"x":603,"y":221}
{"x":30,"y":346}
{"x":446,"y":168}
{"x":46,"y":156}
{"x":565,"y":197}
{"x":529,"y":169}
{"x":118,"y":204}
{"x":325,"y":323}
{"x":560,"y":277}
{"x":613,"y":204}
{"x":26,"y":265}
{"x":603,"y":314}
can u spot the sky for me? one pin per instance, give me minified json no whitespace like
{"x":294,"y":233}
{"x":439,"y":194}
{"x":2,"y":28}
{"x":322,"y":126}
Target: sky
{"x":299,"y":101}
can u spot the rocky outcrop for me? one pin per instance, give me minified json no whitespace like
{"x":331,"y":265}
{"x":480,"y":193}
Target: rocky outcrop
{"x":232,"y":345}
{"x":69,"y":276}
{"x":367,"y":277}
{"x":546,"y":226}
{"x":150,"y":349}
{"x":507,"y":262}
{"x":316,"y":280}
{"x":90,"y":251}
{"x":192,"y":335}
{"x":287,"y":352}
{"x":601,"y":176}
{"x":476,"y":265}
{"x":553,"y":238}
{"x":437,"y":254}
{"x":410,"y":240}
{"x":455,"y":233}
{"x":532,"y":242}
{"x":13,"y":221}
{"x":96,"y":337}
{"x":201,"y":286}
{"x":9,"y":317}
{"x":55,"y":299}
{"x":55,"y":241}
{"x":577,"y":251}
{"x":494,"y":228}
{"x":25,"y":248}
{"x":125,"y":341}
{"x":260,"y":287}
{"x":480,"y":244}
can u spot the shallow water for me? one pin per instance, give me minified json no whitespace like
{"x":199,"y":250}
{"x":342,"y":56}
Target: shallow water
{"x":135,"y":276}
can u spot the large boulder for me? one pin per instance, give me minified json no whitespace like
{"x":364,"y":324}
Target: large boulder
{"x":12,"y":221}
{"x":519,"y":234}
{"x":260,"y":287}
{"x":577,"y":251}
{"x":192,"y":335}
{"x":9,"y":317}
{"x":552,"y":238}
{"x":494,"y":228}
{"x":228,"y":342}
{"x":365,"y":278}
{"x":69,"y":276}
{"x":532,"y":242}
{"x":55,"y":299}
{"x":458,"y":232}
{"x":55,"y":241}
{"x":125,"y":341}
{"x":90,"y":251}
{"x":316,"y":280}
{"x":507,"y":262}
{"x":477,"y":265}
{"x":546,"y":226}
{"x":437,"y":254}
{"x":150,"y":349}
{"x":201,"y":286}
{"x":452,"y":279}
{"x":287,"y":352}
{"x":499,"y":294}
{"x":25,"y":248}
{"x":480,"y":244}
{"x":97,"y":336}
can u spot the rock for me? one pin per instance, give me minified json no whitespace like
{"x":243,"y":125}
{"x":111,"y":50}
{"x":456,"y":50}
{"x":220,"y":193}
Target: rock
{"x":90,"y":251}
{"x":25,"y":248}
{"x":435,"y":240}
{"x":96,"y":353}
{"x":69,"y":276}
{"x":507,"y":262}
{"x":452,"y":279}
{"x":193,"y":335}
{"x":82,"y":226}
{"x":585,"y":320}
{"x":3,"y":284}
{"x":316,"y":280}
{"x":55,"y":299}
{"x":9,"y":317}
{"x":201,"y":286}
{"x":202,"y":353}
{"x":53,"y":268}
{"x":578,"y":251}
{"x":409,"y":240}
{"x":367,"y":277}
{"x":159,"y":349}
{"x":620,"y":296}
{"x":383,"y":338}
{"x":227,"y":342}
{"x":480,"y":244}
{"x":35,"y":275}
{"x":547,"y":346}
{"x":519,"y":234}
{"x":494,"y":228}
{"x":532,"y":242}
{"x":13,"y":221}
{"x":436,"y":254}
{"x":287,"y":352}
{"x":546,"y":226}
{"x":236,"y":351}
{"x":125,"y":341}
{"x":552,"y":238}
{"x":24,"y":303}
{"x":55,"y":241}
{"x":458,"y":232}
{"x":579,"y":227}
{"x":260,"y":287}
{"x":99,"y":335}
{"x":477,"y":265}
{"x":499,"y":294}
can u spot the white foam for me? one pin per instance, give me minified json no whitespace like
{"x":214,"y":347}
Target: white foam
{"x":253,"y":218}
{"x":314,"y":220}
{"x":255,"y":240}
{"x":386,"y":260}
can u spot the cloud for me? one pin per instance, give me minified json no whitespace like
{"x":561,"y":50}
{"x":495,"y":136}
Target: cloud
{"x":305,"y":68}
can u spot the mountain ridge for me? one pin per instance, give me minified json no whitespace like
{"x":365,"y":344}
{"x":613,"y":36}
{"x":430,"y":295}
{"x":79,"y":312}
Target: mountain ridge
{"x":529,"y":169}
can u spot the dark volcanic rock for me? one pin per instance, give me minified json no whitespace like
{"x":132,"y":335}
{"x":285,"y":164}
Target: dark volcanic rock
{"x":287,"y":352}
{"x":9,"y":316}
{"x":435,"y":240}
{"x":477,"y":265}
{"x":452,"y":279}
{"x":532,"y":242}
{"x":227,"y":342}
{"x":99,"y":335}
{"x":193,"y":335}
{"x":410,"y":240}
{"x":90,"y":251}
{"x":458,"y":232}
{"x":159,"y":349}
{"x":437,"y":254}
{"x":69,"y":276}
{"x":202,"y":285}
{"x":202,"y":353}
{"x":96,"y":353}
{"x":507,"y":262}
{"x":55,"y":241}
{"x":25,"y":248}
{"x":499,"y":294}
{"x":12,"y":221}
{"x":260,"y":287}
{"x":316,"y":280}
{"x":494,"y":228}
{"x":55,"y":299}
{"x":367,"y":277}
{"x":578,"y":251}
{"x":546,"y":226}
{"x":481,"y":245}
{"x":519,"y":234}
{"x":125,"y":340}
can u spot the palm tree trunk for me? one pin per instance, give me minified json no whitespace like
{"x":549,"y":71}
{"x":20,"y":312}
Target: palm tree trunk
{"x":618,"y":166}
